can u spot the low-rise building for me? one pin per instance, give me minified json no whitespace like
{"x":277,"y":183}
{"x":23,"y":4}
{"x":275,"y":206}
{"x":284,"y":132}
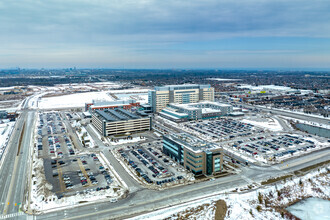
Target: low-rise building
{"x":97,"y":105}
{"x":173,"y":115}
{"x":8,"y":114}
{"x":146,"y":108}
{"x":120,"y":121}
{"x":194,"y":154}
{"x":196,"y":111}
{"x":3,"y":114}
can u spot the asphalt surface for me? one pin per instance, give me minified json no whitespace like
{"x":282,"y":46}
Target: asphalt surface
{"x":290,"y":114}
{"x":149,"y":200}
{"x":131,"y":183}
{"x":13,"y":172}
{"x":13,"y":175}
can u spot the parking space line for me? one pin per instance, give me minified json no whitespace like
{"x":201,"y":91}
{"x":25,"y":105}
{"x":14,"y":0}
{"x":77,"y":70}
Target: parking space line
{"x":82,"y":168}
{"x":60,"y":177}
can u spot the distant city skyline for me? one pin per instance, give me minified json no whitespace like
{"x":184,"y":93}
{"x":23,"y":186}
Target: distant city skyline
{"x":210,"y":34}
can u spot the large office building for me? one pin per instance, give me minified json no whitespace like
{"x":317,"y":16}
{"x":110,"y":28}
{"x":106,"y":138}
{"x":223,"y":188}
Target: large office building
{"x":120,"y":121}
{"x":161,"y":96}
{"x":195,"y":111}
{"x":194,"y":154}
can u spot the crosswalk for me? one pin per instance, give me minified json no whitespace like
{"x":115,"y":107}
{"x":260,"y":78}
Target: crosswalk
{"x":12,"y":215}
{"x":248,"y":180}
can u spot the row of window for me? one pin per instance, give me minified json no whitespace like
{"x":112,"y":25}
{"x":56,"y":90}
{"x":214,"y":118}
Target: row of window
{"x":196,"y":172}
{"x":127,"y":125}
{"x":198,"y":166}
{"x":195,"y":161}
{"x":194,"y":156}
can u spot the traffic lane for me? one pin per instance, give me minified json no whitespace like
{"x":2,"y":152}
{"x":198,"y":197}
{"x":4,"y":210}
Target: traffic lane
{"x":140,"y":197}
{"x":114,"y":162}
{"x":158,"y":199}
{"x":124,"y":175}
{"x":181,"y":192}
{"x":289,"y":114}
{"x":21,"y":177}
{"x":8,"y":165}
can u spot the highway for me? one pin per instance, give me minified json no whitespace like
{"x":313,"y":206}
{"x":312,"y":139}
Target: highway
{"x":290,"y":114}
{"x":13,"y":172}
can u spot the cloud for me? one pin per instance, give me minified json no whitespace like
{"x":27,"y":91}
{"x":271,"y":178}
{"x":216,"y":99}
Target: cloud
{"x":214,"y":17}
{"x":130,"y":27}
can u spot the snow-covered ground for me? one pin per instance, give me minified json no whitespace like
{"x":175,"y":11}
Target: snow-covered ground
{"x":256,"y":204}
{"x":79,"y":99}
{"x":73,"y":100}
{"x":43,"y":200}
{"x":311,"y":208}
{"x":5,"y":131}
{"x":83,"y":135}
{"x":126,"y":141}
{"x":299,"y":111}
{"x":33,"y":101}
{"x":271,"y":124}
{"x":127,"y":91}
{"x":327,"y":126}
{"x":142,"y":98}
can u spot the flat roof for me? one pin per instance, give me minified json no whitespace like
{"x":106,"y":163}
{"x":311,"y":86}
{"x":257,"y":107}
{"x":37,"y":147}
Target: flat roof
{"x":87,"y":113}
{"x":168,"y":115}
{"x":113,"y":115}
{"x":174,"y":112}
{"x":195,"y":106}
{"x":236,"y":113}
{"x":215,"y":103}
{"x":209,"y":110}
{"x":192,"y":143}
{"x":183,"y":86}
{"x":185,"y":106}
{"x":113,"y":103}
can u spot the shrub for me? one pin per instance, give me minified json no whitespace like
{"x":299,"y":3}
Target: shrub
{"x":259,"y":208}
{"x":260,"y":198}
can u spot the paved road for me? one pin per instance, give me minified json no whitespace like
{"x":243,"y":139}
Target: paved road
{"x":283,"y":124}
{"x":290,"y":114}
{"x":131,"y":183}
{"x":13,"y":171}
{"x":148,"y":200}
{"x":13,"y":176}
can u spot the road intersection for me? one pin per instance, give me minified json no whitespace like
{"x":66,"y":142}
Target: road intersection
{"x":14,"y":174}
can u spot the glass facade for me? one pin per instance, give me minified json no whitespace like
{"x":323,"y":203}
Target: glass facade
{"x":209,"y":163}
{"x":172,"y":149}
{"x":217,"y":165}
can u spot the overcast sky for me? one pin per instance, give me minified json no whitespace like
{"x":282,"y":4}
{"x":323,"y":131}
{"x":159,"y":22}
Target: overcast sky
{"x":165,"y":34}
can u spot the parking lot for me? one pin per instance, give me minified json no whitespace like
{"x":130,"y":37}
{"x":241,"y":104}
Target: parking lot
{"x":68,"y":172}
{"x":274,"y":147}
{"x":221,"y":129}
{"x":250,"y":141}
{"x":53,"y":139}
{"x":77,"y":173}
{"x":152,"y":165}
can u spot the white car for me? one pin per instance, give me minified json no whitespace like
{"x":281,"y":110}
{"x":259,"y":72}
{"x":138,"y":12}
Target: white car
{"x":113,"y":200}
